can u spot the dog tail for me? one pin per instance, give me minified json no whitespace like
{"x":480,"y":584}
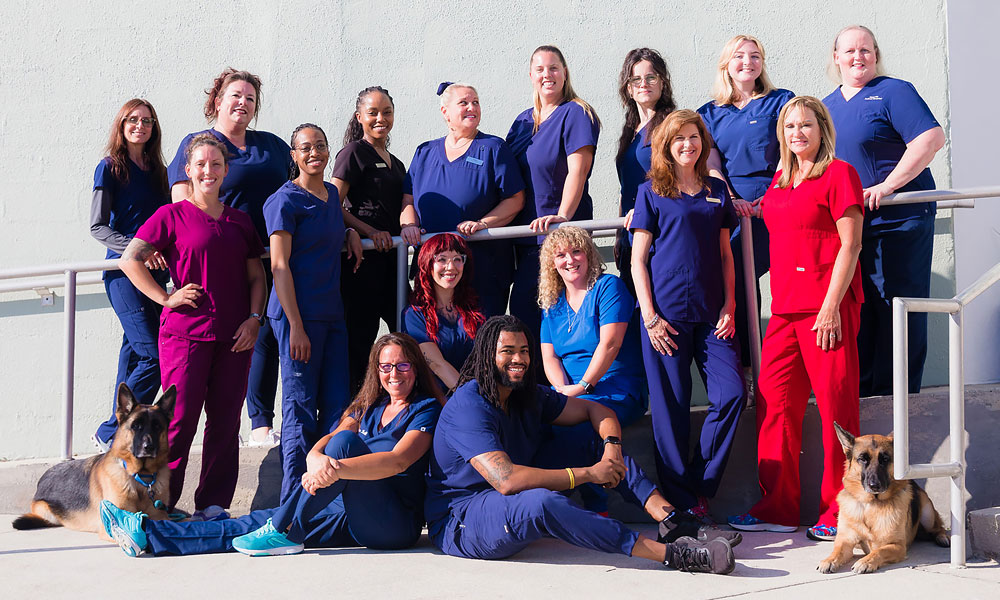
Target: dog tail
{"x":31,"y":521}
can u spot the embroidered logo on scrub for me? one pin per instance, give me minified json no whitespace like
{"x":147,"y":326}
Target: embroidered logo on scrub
{"x":876,"y":97}
{"x":474,"y":160}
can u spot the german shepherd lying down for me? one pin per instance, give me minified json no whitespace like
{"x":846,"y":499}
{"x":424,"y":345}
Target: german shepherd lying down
{"x":133,"y":474}
{"x":881,"y":514}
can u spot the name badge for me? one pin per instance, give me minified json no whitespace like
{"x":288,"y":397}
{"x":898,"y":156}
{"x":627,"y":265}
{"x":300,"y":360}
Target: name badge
{"x":800,"y":269}
{"x":473,"y":160}
{"x":714,"y":200}
{"x":382,"y":165}
{"x":754,"y":121}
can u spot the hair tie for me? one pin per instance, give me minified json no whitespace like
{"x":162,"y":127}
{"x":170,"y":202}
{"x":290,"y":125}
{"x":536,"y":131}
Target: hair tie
{"x":443,"y":86}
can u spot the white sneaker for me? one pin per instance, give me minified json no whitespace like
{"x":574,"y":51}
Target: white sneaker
{"x":273,"y":438}
{"x":102,"y":447}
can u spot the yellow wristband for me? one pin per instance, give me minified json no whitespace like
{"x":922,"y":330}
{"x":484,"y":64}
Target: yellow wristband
{"x":572,"y":478}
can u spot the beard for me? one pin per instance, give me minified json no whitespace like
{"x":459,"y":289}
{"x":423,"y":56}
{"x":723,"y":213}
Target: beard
{"x":506,"y":381}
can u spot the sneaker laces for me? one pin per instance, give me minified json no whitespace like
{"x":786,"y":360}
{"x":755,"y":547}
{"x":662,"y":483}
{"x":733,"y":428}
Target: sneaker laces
{"x":688,"y":558}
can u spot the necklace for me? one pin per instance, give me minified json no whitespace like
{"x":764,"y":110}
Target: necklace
{"x":449,"y":309}
{"x":457,"y":146}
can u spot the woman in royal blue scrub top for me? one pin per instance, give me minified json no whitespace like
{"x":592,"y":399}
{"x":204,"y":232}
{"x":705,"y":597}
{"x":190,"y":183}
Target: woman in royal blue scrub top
{"x":130,"y":183}
{"x":258,"y":166}
{"x":684,"y":278}
{"x":369,"y":180}
{"x":554,"y":142}
{"x":741,"y":118}
{"x":886,"y":131}
{"x":443,"y":315}
{"x":466,"y":181}
{"x":306,"y":311}
{"x":647,"y":96}
{"x":364,"y":487}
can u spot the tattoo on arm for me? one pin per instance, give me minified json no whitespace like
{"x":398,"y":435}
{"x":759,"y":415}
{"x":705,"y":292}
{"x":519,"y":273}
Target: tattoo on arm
{"x":495,"y":467}
{"x":138,"y":250}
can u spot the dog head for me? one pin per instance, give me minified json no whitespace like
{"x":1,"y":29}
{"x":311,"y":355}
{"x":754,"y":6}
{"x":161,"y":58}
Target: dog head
{"x":869,"y":460}
{"x":142,"y":428}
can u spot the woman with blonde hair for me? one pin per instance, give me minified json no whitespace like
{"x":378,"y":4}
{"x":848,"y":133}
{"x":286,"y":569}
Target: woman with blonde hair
{"x":742,"y":118}
{"x":683,"y":272}
{"x":814,"y":212}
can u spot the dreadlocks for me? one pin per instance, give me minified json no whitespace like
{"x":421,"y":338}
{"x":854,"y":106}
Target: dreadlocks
{"x":482,"y":363}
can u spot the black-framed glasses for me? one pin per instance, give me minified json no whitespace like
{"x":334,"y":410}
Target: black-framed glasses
{"x":146,"y":121}
{"x":307,"y":149}
{"x":650,"y":80}
{"x":403,"y":367}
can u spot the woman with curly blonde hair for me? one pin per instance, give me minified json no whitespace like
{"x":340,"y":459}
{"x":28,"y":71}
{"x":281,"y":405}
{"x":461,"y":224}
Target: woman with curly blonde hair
{"x":585,"y":323}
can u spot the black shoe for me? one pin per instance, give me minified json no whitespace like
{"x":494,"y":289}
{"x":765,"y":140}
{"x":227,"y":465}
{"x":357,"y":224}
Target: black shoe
{"x":688,"y":554}
{"x":680,"y":523}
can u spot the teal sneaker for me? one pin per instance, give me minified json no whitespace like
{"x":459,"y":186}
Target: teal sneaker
{"x":124,"y":527}
{"x":266,"y":541}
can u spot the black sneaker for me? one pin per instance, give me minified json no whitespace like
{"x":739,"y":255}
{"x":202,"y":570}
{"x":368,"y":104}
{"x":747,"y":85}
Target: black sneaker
{"x":713,"y":556}
{"x":679,"y":524}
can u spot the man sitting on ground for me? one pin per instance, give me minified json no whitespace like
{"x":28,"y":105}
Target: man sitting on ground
{"x":494,"y":480}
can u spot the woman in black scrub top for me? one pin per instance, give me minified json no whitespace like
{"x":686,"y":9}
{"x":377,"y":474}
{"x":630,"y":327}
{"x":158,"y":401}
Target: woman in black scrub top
{"x":370,"y":182}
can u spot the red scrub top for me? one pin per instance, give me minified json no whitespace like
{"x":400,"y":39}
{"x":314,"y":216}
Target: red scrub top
{"x":212,"y":253}
{"x":802,"y":222}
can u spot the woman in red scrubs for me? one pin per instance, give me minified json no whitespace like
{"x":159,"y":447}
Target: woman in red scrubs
{"x":813,"y":211}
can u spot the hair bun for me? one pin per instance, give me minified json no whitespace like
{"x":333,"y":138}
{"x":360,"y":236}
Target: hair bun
{"x":443,"y":86}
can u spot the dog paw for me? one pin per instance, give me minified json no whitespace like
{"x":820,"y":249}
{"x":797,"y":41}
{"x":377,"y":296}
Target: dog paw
{"x":864,"y":566}
{"x":943,"y":540}
{"x":827,"y":566}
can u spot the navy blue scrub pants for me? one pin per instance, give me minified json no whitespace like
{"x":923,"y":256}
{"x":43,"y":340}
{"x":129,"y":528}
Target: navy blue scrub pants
{"x":493,"y":271}
{"x":492,"y":526}
{"x":895,"y":261}
{"x":139,"y":357}
{"x":684,"y":479}
{"x":345,"y":514}
{"x":262,"y":383}
{"x":369,"y":296}
{"x":313,"y":394}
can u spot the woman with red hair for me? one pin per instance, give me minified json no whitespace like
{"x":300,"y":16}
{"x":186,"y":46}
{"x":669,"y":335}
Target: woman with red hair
{"x":444,"y":313}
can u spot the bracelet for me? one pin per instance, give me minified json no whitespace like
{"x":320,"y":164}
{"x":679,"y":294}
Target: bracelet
{"x":572,"y":478}
{"x":652,"y":322}
{"x":483,"y":223}
{"x":347,"y":229}
{"x":405,"y":225}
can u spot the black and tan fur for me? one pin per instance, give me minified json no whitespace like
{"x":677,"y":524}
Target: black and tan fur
{"x":880,"y":514}
{"x":70,"y":493}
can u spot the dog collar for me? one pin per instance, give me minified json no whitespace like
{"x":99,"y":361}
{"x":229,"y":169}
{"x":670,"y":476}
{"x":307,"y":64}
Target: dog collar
{"x":142,"y":479}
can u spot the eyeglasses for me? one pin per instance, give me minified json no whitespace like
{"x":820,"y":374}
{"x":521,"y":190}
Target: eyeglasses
{"x":146,"y":121}
{"x":650,"y":80}
{"x":444,"y":261}
{"x":403,"y":367}
{"x":319,"y":148}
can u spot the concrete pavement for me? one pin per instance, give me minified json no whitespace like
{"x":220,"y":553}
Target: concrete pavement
{"x":58,"y":563}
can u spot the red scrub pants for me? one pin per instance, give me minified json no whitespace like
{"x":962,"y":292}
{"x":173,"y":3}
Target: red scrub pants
{"x":791,"y":365}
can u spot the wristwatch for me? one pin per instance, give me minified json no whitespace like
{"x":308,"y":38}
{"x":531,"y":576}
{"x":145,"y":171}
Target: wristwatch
{"x":259,"y":317}
{"x":613,"y":439}
{"x":588,"y":388}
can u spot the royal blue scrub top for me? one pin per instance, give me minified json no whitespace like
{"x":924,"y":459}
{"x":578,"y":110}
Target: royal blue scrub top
{"x":254,"y":173}
{"x":445,"y":193}
{"x":454,"y":344}
{"x":317,"y":230}
{"x":470,"y":426}
{"x":575,"y":335}
{"x":421,"y":415}
{"x":685,"y":262}
{"x":747,"y":141}
{"x":633,"y":167}
{"x":542,"y":157}
{"x":873,"y":128}
{"x":133,"y":202}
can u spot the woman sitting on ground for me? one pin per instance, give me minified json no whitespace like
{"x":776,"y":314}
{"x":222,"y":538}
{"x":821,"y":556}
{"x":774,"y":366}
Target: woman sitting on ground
{"x":374,"y":461}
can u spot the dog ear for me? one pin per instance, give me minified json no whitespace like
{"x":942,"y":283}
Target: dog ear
{"x":167,"y":401}
{"x":846,"y":439}
{"x":126,"y":402}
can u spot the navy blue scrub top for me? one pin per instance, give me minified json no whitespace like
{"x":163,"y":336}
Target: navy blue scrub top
{"x":685,"y":264}
{"x":575,"y":335}
{"x":454,"y":344}
{"x":133,"y":203}
{"x":542,"y":158}
{"x":254,"y":173}
{"x":747,"y":141}
{"x":873,"y":128}
{"x":633,"y":166}
{"x":470,"y":426}
{"x":421,"y":415}
{"x":317,"y":230}
{"x":445,"y":193}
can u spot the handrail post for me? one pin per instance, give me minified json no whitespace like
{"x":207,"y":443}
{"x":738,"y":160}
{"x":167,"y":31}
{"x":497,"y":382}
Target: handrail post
{"x":900,"y":389}
{"x":956,"y":394}
{"x":69,"y":317}
{"x":750,"y":288}
{"x":401,"y":287}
